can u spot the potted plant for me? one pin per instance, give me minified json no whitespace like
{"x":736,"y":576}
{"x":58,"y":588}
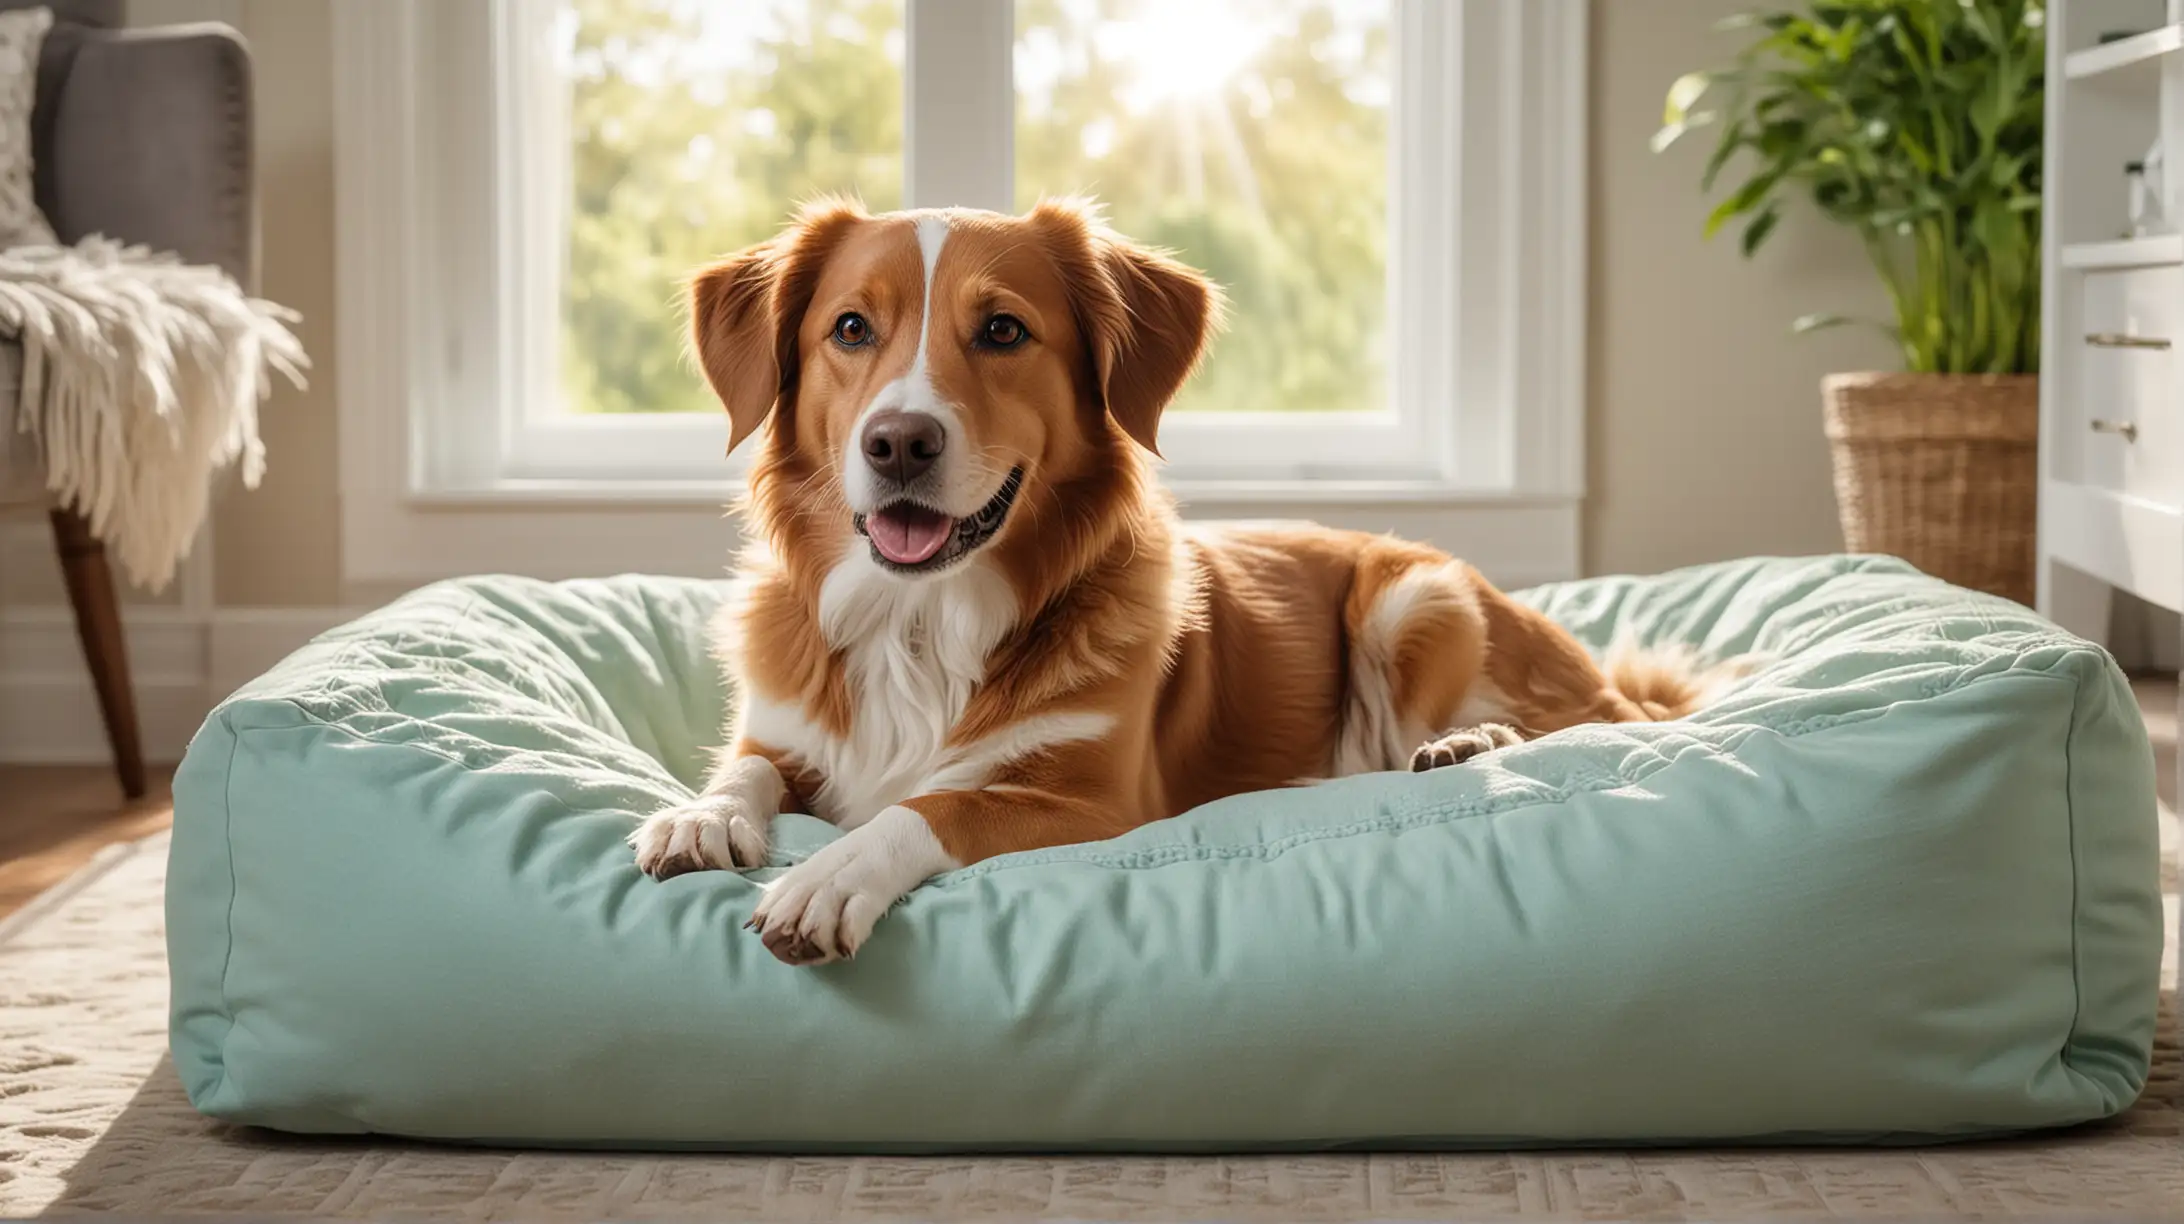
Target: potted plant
{"x":1917,"y":123}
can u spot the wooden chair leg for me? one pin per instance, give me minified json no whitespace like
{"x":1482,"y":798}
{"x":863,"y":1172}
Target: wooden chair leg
{"x":98,"y":624}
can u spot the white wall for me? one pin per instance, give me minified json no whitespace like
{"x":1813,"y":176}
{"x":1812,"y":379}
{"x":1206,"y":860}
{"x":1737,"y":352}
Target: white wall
{"x":1704,"y":437}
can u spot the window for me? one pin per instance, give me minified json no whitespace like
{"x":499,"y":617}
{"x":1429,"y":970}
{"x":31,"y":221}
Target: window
{"x":1251,"y":138}
{"x":650,"y":136}
{"x":1389,"y":191}
{"x":685,"y":129}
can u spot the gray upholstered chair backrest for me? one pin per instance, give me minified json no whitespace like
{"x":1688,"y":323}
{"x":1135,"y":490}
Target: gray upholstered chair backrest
{"x":21,"y":476}
{"x":70,"y":19}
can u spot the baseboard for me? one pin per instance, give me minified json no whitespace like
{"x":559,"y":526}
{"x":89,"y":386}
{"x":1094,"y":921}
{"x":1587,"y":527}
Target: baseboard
{"x":47,"y":721}
{"x":180,"y":663}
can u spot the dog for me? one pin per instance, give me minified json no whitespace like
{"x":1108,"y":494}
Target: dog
{"x":969,"y":621}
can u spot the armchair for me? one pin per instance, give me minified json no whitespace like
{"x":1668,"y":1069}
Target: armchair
{"x":143,"y":135}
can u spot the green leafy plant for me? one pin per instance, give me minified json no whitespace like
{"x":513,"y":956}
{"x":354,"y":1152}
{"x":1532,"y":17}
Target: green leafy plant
{"x":1917,"y":123}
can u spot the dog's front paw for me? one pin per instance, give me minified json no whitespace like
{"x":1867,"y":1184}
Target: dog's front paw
{"x":709,"y":833}
{"x":1459,"y":746}
{"x":824,"y":908}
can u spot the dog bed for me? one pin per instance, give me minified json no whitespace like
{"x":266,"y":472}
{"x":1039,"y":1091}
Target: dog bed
{"x":1900,"y":884}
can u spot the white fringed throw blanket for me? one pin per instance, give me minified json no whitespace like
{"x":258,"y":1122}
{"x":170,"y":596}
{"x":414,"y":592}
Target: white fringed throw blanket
{"x":141,"y":378}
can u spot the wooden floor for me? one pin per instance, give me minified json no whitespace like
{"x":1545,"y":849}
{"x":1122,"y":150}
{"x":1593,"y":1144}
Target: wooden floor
{"x":54,"y":818}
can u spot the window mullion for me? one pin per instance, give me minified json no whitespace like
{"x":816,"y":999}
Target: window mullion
{"x":1426,"y":219}
{"x":959,"y":105}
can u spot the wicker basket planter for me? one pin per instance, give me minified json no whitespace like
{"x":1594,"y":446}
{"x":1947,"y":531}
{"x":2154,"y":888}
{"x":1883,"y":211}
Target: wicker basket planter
{"x":1941,"y":470}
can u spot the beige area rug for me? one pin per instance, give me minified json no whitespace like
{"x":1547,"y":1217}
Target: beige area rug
{"x":92,"y":1120}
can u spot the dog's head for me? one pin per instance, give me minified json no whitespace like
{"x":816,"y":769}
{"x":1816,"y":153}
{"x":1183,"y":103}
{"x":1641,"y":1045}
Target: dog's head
{"x":920,"y":373}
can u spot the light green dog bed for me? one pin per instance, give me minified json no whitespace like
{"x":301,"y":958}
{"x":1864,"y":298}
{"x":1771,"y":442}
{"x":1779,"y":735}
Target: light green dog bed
{"x":1900,"y":884}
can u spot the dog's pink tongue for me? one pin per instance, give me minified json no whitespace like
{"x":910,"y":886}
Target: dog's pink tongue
{"x":907,"y":535}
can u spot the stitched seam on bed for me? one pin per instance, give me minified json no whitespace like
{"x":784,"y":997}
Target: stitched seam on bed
{"x":2070,"y":807}
{"x":227,"y":957}
{"x":1444,"y":813}
{"x":1415,"y":818}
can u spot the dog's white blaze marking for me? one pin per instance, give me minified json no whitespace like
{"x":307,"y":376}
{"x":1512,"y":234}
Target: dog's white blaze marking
{"x":915,"y":392}
{"x":932,"y":232}
{"x":971,"y":764}
{"x":914,"y":650}
{"x":1375,"y":735}
{"x":835,"y":896}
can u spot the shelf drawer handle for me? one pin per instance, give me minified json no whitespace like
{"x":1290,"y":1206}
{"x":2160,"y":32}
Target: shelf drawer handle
{"x":2124,"y":340}
{"x":2125,"y":429}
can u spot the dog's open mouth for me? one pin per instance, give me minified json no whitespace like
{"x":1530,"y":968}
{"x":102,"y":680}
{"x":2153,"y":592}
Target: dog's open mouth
{"x":914,"y":538}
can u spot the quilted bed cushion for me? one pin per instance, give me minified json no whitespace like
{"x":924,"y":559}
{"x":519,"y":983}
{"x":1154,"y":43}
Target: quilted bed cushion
{"x":1901,"y":884}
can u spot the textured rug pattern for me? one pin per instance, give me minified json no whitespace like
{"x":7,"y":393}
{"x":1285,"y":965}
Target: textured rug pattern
{"x":92,"y":1120}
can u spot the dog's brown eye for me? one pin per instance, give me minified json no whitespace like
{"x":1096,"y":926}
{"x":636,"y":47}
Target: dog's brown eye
{"x":1003,"y":332}
{"x":851,"y":330}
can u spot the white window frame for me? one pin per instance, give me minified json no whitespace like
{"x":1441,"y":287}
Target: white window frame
{"x":443,"y":283}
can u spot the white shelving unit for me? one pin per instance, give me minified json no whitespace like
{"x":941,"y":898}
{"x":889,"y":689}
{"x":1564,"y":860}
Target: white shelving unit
{"x":2111,"y":389}
{"x":2124,"y":253}
{"x":2112,"y":315}
{"x":2140,"y":53}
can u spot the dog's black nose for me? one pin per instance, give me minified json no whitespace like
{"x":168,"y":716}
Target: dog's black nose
{"x":902,"y":446}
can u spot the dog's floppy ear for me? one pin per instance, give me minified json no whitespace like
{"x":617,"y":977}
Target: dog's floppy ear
{"x":732,"y":330}
{"x":746,"y":309}
{"x":1147,"y":318}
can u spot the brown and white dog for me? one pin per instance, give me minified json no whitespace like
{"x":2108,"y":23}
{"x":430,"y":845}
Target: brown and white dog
{"x":970,"y":622}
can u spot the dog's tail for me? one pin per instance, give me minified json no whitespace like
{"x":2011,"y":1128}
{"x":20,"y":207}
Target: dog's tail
{"x":1672,"y":681}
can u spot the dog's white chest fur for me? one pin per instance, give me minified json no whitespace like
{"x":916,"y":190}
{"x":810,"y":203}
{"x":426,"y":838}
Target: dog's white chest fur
{"x":914,"y":652}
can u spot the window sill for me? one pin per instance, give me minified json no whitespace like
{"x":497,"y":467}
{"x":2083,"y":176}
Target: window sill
{"x":580,"y":494}
{"x":1205,"y":492}
{"x":652,"y":494}
{"x":556,"y":529}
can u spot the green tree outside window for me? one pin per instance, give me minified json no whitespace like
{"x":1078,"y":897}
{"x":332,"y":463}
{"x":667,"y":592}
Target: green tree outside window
{"x":1251,"y":139}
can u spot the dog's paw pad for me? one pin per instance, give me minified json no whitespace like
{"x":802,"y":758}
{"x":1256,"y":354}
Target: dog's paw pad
{"x":1459,"y":746}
